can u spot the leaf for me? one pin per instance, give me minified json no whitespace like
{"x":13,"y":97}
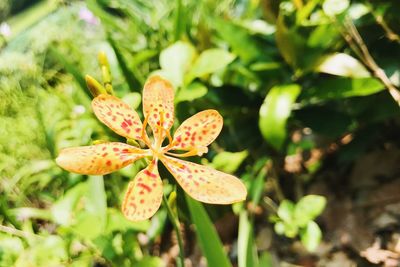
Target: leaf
{"x":133,"y":100}
{"x":96,"y":200}
{"x":71,"y":68}
{"x":241,"y":41}
{"x":336,"y":88}
{"x":209,"y":61}
{"x":175,"y":61}
{"x":208,"y":238}
{"x":131,"y":76}
{"x":62,"y":209}
{"x":275,"y":111}
{"x":117,"y":222}
{"x":335,"y":7}
{"x":247,"y":251}
{"x":286,"y":211}
{"x":229,"y":161}
{"x":150,"y":262}
{"x":191,"y":92}
{"x":341,"y":64}
{"x":308,"y":208}
{"x":311,"y":236}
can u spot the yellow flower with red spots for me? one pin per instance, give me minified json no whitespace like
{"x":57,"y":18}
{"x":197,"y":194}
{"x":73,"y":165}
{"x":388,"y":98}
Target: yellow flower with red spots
{"x":144,"y":194}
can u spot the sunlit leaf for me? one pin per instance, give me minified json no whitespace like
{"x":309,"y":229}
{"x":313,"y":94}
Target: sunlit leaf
{"x":62,"y":209}
{"x":191,"y":92}
{"x":176,"y":60}
{"x":343,"y":65}
{"x":311,"y":236}
{"x":275,"y":111}
{"x":286,"y":211}
{"x":335,"y":7}
{"x":208,"y":62}
{"x":308,"y":208}
{"x":229,"y":161}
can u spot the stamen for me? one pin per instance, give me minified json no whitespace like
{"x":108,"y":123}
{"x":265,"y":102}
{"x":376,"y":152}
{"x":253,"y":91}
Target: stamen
{"x":196,"y":151}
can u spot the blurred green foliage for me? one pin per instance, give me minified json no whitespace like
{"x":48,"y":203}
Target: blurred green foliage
{"x":289,"y":78}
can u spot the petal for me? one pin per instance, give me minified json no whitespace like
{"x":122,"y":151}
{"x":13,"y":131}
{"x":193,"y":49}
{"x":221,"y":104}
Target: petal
{"x":98,"y":159}
{"x":200,"y":130}
{"x":144,"y":194}
{"x":158,"y":103}
{"x":118,"y":116}
{"x":204,"y":183}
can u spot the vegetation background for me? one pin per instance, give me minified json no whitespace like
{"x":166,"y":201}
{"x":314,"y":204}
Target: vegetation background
{"x":309,"y":94}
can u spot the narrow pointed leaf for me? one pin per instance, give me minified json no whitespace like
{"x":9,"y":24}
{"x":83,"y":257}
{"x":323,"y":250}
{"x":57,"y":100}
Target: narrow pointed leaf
{"x":208,"y":238}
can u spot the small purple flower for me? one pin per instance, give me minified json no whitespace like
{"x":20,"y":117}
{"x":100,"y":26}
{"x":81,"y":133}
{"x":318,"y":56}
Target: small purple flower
{"x":87,"y":15}
{"x":5,"y":29}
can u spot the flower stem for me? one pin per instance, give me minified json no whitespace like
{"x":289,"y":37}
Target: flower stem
{"x":175,"y":223}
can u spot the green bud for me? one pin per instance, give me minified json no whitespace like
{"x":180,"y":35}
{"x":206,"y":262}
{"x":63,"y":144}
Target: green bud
{"x":94,"y":86}
{"x":103,"y":59}
{"x":98,"y":142}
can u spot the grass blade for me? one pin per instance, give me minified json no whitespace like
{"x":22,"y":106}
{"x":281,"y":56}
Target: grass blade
{"x":207,"y":236}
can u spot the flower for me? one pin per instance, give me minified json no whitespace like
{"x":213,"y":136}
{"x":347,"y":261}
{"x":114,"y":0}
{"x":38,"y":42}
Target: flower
{"x":87,"y":15}
{"x":144,"y":193}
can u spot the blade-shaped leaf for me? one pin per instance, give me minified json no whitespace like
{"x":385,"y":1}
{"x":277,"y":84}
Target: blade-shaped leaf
{"x":247,"y":251}
{"x":208,"y":237}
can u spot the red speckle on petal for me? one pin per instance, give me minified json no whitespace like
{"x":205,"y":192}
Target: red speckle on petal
{"x":115,"y":149}
{"x":108,"y":163}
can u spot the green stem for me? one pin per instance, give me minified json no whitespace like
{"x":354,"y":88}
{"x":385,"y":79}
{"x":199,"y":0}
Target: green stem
{"x":175,"y":223}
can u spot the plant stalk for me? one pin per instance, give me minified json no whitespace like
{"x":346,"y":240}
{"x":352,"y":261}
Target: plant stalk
{"x":175,"y":223}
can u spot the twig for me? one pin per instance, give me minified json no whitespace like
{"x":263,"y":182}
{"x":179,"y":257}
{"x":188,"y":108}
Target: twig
{"x":16,"y":232}
{"x":358,"y":46}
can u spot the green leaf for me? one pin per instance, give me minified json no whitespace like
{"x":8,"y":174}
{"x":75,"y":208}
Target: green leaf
{"x":247,"y":251}
{"x":336,"y":88}
{"x":87,"y":225}
{"x":308,"y":208}
{"x":175,"y":61}
{"x":71,"y":68}
{"x":130,"y":74}
{"x":209,"y":61}
{"x":62,"y":209}
{"x":207,"y":236}
{"x":341,"y":64}
{"x":275,"y":111}
{"x":133,"y":100}
{"x":229,"y":161}
{"x":96,"y":200}
{"x":150,"y":262}
{"x":335,"y":7}
{"x":311,"y":236}
{"x":242,"y":42}
{"x":286,"y":211}
{"x":117,"y":222}
{"x":191,"y":92}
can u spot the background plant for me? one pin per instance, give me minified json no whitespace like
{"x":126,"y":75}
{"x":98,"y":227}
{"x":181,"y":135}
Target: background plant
{"x":297,"y":82}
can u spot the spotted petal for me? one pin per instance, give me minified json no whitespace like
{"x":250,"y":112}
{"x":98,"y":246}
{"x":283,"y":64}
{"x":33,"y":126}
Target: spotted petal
{"x":204,"y":183}
{"x":144,"y":194}
{"x":158,"y":104}
{"x":118,"y":116}
{"x":98,"y":159}
{"x":198,"y":131}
